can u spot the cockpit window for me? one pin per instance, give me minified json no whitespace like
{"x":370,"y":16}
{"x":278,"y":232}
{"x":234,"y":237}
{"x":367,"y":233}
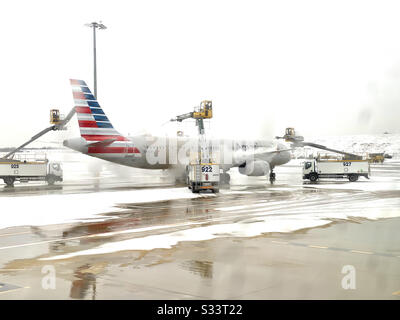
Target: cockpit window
{"x":307,"y":165}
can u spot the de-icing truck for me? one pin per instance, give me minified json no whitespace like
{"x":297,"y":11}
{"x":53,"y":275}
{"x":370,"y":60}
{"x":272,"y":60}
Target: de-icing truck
{"x":350,"y":169}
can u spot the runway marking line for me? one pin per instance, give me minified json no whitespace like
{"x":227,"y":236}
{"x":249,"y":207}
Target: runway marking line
{"x":14,"y":234}
{"x":333,"y":248}
{"x":7,"y":270}
{"x":361,"y":252}
{"x":11,"y":290}
{"x":6,"y":287}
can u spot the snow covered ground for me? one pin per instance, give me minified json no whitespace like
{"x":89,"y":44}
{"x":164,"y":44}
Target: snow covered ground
{"x":250,"y":222}
{"x":40,"y":210}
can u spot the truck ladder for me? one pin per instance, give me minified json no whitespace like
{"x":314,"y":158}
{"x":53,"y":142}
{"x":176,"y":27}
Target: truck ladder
{"x":55,"y":127}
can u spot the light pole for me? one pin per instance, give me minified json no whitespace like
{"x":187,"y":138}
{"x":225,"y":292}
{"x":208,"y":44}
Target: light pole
{"x":95,"y":26}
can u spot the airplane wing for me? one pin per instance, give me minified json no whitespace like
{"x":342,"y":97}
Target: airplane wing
{"x":276,"y":151}
{"x":242,"y":156}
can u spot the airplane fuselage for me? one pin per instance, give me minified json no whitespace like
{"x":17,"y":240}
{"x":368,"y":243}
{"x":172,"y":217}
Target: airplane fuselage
{"x":150,"y":152}
{"x":100,"y":139}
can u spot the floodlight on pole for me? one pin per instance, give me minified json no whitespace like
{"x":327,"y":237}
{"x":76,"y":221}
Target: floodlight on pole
{"x":95,"y":25}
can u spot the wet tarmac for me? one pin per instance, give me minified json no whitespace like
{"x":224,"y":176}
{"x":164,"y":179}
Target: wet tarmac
{"x":291,"y":240}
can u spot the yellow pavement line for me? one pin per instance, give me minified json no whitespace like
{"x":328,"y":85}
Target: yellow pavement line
{"x":6,"y":270}
{"x":396,"y":293}
{"x":362,"y":252}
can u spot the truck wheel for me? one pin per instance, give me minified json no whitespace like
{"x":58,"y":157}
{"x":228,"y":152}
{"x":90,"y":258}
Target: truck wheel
{"x":51,"y":180}
{"x":313,"y":177}
{"x":225,"y":178}
{"x":9,"y":181}
{"x":353,"y":178}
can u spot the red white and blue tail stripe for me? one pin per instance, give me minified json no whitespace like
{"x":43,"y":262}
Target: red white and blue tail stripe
{"x":94,"y":125}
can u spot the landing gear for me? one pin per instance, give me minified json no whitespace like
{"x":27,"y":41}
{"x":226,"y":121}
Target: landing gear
{"x":224,"y":178}
{"x":272,"y":177}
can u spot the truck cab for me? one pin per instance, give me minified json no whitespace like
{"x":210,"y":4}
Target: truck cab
{"x":310,"y":170}
{"x":308,"y":167}
{"x":54,"y":173}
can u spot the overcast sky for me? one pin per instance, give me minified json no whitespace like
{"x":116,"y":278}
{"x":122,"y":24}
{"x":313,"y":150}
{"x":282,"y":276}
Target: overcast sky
{"x":328,"y":67}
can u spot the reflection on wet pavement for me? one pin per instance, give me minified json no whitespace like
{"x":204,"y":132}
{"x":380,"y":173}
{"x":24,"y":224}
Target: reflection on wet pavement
{"x":252,"y":240}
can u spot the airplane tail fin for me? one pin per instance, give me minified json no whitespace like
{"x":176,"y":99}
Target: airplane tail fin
{"x":93,"y":122}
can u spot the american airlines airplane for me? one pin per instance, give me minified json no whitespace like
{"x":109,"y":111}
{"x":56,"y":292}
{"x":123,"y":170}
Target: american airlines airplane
{"x":100,"y":139}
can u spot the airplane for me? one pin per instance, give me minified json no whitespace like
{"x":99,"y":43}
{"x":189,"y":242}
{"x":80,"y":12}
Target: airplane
{"x":100,"y":139}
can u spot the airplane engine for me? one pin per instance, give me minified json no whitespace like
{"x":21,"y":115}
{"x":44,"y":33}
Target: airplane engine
{"x":255,"y":168}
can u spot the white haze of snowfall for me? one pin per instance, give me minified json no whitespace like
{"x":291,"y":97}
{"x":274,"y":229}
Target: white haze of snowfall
{"x":359,"y":144}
